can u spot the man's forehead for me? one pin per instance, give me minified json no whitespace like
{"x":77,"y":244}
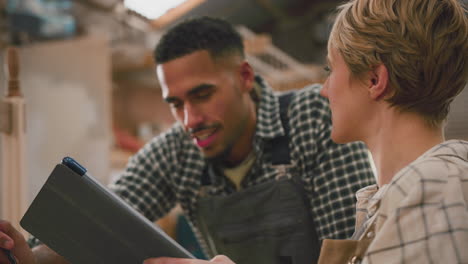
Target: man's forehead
{"x":180,"y":86}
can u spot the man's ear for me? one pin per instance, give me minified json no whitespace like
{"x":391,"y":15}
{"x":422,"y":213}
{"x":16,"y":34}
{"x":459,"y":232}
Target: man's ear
{"x":247,"y":76}
{"x":378,"y":82}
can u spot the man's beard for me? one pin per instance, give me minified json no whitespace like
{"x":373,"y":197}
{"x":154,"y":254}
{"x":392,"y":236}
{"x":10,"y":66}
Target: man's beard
{"x":222,"y":157}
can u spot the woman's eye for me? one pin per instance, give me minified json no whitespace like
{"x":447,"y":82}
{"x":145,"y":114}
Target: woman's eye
{"x":327,"y":69}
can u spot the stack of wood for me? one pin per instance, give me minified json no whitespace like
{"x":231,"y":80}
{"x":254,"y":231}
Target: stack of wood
{"x":282,"y":71}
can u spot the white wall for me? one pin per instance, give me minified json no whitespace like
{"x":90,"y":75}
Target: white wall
{"x":67,"y":86}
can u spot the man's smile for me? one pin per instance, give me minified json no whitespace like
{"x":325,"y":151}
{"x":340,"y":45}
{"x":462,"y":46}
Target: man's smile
{"x":205,"y":137}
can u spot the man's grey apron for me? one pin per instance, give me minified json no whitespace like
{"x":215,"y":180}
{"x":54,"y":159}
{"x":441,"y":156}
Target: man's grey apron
{"x":268,"y":223}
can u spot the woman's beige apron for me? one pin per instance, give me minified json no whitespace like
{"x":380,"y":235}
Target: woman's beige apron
{"x":340,"y":251}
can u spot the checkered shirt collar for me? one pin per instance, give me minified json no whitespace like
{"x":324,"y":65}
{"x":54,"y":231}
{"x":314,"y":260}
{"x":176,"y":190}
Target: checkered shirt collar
{"x":268,"y":114}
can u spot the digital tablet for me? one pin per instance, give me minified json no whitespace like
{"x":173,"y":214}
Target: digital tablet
{"x":86,"y":223}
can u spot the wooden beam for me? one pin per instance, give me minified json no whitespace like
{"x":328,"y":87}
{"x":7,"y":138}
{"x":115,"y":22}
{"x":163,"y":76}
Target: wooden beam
{"x":13,"y":151}
{"x":5,"y":117}
{"x":175,"y":13}
{"x":257,"y":44}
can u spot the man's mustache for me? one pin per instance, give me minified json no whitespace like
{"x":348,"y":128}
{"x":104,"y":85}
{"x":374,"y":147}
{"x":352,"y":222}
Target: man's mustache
{"x":200,"y":128}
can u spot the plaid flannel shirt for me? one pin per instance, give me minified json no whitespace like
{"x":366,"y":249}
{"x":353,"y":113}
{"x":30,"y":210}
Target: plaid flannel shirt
{"x":169,"y":169}
{"x":422,"y":214}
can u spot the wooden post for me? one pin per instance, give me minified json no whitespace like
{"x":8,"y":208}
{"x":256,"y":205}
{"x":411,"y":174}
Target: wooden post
{"x":13,"y":151}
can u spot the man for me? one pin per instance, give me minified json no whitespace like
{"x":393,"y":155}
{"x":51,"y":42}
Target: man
{"x":257,"y":175}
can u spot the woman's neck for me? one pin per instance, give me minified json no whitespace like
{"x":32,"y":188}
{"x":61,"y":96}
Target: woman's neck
{"x":397,"y":140}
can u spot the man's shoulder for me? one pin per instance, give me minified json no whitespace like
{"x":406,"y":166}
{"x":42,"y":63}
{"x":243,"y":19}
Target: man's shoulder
{"x":308,"y":107}
{"x":309,"y":98}
{"x":310,"y":92}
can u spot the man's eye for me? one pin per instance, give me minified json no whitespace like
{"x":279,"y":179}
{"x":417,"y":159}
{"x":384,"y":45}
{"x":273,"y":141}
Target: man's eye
{"x":175,"y":105}
{"x":203,"y":95}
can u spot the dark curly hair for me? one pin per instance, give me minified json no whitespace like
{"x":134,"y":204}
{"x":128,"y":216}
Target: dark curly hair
{"x":214,"y":35}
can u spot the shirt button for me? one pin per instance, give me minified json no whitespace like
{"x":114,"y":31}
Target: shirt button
{"x":370,"y":234}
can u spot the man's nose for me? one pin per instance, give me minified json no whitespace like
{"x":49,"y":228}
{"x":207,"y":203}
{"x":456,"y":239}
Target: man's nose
{"x":192,"y":117}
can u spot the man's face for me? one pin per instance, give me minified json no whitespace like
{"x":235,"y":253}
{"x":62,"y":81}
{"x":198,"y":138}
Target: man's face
{"x":211,"y":100}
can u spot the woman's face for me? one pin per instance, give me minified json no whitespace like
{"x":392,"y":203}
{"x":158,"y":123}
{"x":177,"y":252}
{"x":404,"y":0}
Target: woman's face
{"x":350,"y":102}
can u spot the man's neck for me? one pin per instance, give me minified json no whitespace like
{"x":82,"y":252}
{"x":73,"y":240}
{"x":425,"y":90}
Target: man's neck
{"x":244,"y":145}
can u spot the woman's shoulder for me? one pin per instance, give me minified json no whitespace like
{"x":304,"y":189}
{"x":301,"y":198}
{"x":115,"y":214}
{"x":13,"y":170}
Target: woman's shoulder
{"x":437,"y":175}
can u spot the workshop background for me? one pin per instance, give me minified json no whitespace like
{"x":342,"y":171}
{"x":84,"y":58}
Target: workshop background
{"x":88,"y":78}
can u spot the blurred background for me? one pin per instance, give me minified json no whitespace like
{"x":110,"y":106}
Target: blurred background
{"x":88,"y":78}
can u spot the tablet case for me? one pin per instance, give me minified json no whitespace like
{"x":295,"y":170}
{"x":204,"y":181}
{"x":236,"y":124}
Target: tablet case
{"x":81,"y":220}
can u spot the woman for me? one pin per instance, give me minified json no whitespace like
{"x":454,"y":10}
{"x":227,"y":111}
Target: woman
{"x":395,"y":67}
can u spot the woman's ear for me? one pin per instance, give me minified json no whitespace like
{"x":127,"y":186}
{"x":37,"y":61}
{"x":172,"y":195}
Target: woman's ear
{"x":378,"y":83}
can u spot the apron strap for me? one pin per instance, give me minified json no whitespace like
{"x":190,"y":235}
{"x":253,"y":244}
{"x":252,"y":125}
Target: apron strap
{"x":279,"y":146}
{"x":338,"y":251}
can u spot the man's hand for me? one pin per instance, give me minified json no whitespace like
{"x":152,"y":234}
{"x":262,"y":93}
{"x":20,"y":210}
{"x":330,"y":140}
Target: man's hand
{"x":218,"y":259}
{"x":13,"y":240}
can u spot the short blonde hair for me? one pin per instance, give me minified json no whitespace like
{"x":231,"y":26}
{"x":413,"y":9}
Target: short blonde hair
{"x":423,"y":44}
